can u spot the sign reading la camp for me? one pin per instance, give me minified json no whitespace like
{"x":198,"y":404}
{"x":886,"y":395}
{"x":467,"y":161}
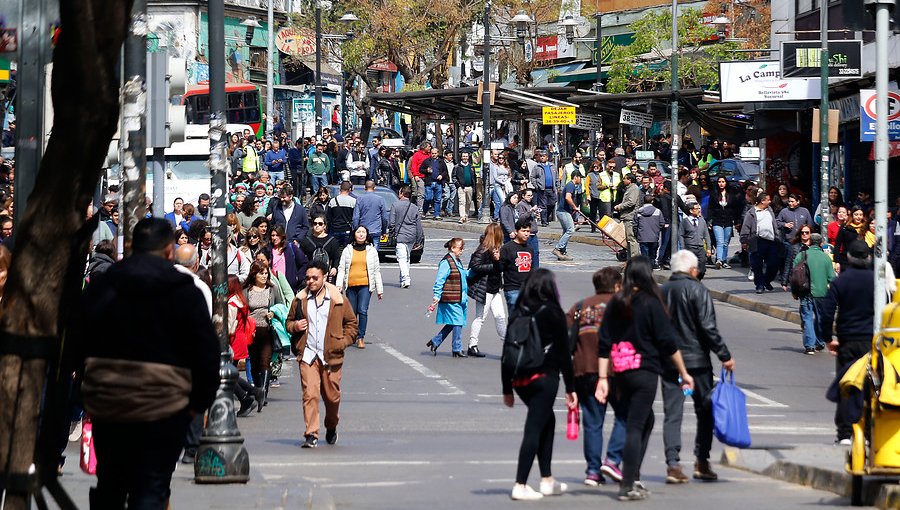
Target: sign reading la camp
{"x":563,"y":115}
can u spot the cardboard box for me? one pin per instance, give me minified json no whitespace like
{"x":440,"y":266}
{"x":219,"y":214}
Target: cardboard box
{"x":612,"y":228}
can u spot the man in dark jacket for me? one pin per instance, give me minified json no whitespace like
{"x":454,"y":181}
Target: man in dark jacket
{"x":143,"y":378}
{"x":435,"y":173}
{"x":694,"y":317}
{"x":852,"y":295}
{"x":290,"y":214}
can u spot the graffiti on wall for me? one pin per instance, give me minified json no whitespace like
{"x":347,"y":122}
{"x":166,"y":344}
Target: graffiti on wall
{"x":170,"y":32}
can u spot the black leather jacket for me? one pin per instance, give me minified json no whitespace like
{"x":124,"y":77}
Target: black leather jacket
{"x":694,"y":317}
{"x":485,"y":275}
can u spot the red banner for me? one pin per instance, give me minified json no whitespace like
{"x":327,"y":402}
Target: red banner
{"x":546,"y":48}
{"x":893,"y":150}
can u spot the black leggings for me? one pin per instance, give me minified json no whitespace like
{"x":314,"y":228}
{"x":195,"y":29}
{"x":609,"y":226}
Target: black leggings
{"x":540,"y":421}
{"x":260,"y":354}
{"x":637,"y":389}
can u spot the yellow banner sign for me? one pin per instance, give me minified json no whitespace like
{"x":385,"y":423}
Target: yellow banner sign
{"x":564,"y":115}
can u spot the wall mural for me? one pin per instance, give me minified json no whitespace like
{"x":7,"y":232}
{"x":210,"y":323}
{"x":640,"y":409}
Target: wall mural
{"x":173,"y":33}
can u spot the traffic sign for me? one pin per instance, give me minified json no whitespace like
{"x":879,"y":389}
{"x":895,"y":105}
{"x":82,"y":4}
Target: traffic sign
{"x":636,"y":118}
{"x":588,"y":122}
{"x":867,"y":115}
{"x":303,"y":110}
{"x":563,"y":115}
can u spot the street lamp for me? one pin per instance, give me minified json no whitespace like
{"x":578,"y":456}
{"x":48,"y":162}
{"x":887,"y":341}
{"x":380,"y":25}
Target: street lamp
{"x":252,"y":24}
{"x":346,"y":19}
{"x":569,"y":23}
{"x":521,"y":21}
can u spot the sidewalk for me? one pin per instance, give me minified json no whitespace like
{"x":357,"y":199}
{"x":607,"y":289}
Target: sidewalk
{"x":728,"y":285}
{"x":820,"y":467}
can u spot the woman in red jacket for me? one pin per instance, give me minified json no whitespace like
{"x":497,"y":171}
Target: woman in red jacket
{"x":240,"y":335}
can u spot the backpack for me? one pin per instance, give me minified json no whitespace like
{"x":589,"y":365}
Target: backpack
{"x":800,"y":281}
{"x":523,"y":354}
{"x":321,"y":255}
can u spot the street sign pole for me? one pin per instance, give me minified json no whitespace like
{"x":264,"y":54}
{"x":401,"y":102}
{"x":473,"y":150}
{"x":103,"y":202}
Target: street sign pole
{"x":883,"y":10}
{"x":825,"y":164}
{"x":673,"y":238}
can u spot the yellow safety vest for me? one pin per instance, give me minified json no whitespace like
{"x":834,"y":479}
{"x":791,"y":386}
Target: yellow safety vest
{"x":609,"y":194}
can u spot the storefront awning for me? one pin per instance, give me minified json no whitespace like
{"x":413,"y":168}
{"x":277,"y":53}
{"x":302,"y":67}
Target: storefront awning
{"x":542,"y":77}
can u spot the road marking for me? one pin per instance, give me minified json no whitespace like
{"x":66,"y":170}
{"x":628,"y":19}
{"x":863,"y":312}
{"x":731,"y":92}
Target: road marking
{"x":366,"y":485}
{"x":375,"y":463}
{"x":422,"y":369}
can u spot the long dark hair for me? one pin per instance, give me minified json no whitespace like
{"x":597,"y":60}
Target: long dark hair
{"x":539,"y":288}
{"x":638,"y":279}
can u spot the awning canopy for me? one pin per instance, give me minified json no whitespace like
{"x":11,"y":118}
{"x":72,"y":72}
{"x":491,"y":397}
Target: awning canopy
{"x":462,"y":103}
{"x":546,"y":77}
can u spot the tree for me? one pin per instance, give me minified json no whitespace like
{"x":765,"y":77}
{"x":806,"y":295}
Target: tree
{"x":644,"y":65}
{"x":51,"y":239}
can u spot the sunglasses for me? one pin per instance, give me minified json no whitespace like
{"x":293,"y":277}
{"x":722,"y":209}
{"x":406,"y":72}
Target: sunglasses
{"x":806,"y":232}
{"x":318,"y":223}
{"x":254,"y":237}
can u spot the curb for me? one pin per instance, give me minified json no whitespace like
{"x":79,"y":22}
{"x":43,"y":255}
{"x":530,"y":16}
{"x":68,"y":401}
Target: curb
{"x":768,"y":464}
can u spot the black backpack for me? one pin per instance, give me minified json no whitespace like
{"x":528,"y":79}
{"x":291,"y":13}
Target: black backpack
{"x":800,"y":284}
{"x":320,"y":254}
{"x":523,"y":354}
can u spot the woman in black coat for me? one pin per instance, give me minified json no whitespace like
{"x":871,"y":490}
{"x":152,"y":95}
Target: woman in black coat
{"x":724,"y":207}
{"x":485,"y":277}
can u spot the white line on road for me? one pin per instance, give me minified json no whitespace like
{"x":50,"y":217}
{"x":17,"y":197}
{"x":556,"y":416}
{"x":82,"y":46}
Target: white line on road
{"x":422,"y":369}
{"x":366,"y":485}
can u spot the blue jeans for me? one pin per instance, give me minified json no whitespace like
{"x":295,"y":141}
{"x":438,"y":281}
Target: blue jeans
{"x":723,"y":237}
{"x":433,"y":195}
{"x":498,"y":196}
{"x":809,"y":312}
{"x":593,"y":414}
{"x":359,"y":297}
{"x":568,"y":226}
{"x":664,"y":251}
{"x":649,"y":250}
{"x":276,"y":176}
{"x":318,"y":181}
{"x":535,"y":247}
{"x":511,"y":297}
{"x":446,"y":330}
{"x":449,"y":201}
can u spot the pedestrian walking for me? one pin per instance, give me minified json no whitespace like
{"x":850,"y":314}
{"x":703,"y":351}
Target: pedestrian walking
{"x":130,"y":395}
{"x":695,"y":237}
{"x":516,"y":261}
{"x":406,"y":224}
{"x":322,"y":325}
{"x":318,"y":245}
{"x":584,"y":320}
{"x":540,"y":302}
{"x":486,"y":280}
{"x":851,"y":295}
{"x":450,"y":298}
{"x":290,"y":214}
{"x":648,"y":224}
{"x":500,"y":175}
{"x":790,"y":220}
{"x":435,"y":173}
{"x":635,"y":336}
{"x":821,"y":273}
{"x":565,"y":212}
{"x":261,"y":294}
{"x":464,"y":180}
{"x":340,"y":214}
{"x":359,"y":276}
{"x":694,"y":318}
{"x":626,"y":209}
{"x":287,"y":260}
{"x":543,"y":179}
{"x":371,"y":212}
{"x":241,"y":329}
{"x":509,"y":215}
{"x":526,"y":208}
{"x":761,"y":236}
{"x":722,"y":212}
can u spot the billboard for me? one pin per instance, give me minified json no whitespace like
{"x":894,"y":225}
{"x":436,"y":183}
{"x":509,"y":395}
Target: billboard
{"x":545,"y":48}
{"x":761,"y":80}
{"x":802,"y":59}
{"x":868,"y":115}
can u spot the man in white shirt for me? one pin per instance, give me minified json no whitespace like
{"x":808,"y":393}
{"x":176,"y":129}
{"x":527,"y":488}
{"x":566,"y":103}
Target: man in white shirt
{"x":322,"y":324}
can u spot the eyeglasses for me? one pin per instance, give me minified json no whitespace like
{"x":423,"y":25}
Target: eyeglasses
{"x":805,"y":232}
{"x":318,"y":223}
{"x":254,"y":237}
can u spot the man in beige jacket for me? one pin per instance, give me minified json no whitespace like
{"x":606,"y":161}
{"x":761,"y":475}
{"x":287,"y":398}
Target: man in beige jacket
{"x":322,"y":324}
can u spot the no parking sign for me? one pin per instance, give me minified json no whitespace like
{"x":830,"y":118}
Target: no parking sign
{"x":867,"y":115}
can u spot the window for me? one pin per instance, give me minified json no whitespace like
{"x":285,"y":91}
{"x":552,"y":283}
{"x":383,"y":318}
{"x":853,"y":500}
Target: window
{"x":258,"y":59}
{"x":804,"y":6}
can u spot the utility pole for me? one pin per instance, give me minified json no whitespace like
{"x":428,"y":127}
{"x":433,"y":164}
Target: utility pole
{"x":270,"y":69}
{"x":673,"y":238}
{"x":134,"y":107}
{"x":486,"y":117}
{"x":221,"y":457}
{"x":883,"y":9}
{"x":318,"y":105}
{"x":824,"y":147}
{"x":597,"y":83}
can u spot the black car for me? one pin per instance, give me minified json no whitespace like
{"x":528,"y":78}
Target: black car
{"x":384,"y":245}
{"x":735,"y":171}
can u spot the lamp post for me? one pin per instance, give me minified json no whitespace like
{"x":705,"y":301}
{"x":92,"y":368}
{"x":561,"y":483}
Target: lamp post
{"x":883,"y":10}
{"x":221,"y":456}
{"x":673,"y":238}
{"x":824,"y":147}
{"x":346,"y":19}
{"x":318,"y":85}
{"x":270,"y":68}
{"x":486,"y":116}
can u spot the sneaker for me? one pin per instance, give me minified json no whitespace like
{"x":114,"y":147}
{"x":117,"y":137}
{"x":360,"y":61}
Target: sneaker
{"x":725,"y":265}
{"x":844,"y":442}
{"x":639,"y":485}
{"x":631,"y":494}
{"x":611,"y":470}
{"x":274,"y":383}
{"x":593,"y":480}
{"x":718,"y":264}
{"x":702,"y":471}
{"x":189,"y":455}
{"x":769,"y":287}
{"x":750,"y":276}
{"x":674,"y":474}
{"x":820,"y":347}
{"x":404,"y":285}
{"x":75,"y":431}
{"x":310,"y":442}
{"x":331,"y":436}
{"x":525,"y":493}
{"x":553,"y":488}
{"x":759,"y":290}
{"x":810,"y":351}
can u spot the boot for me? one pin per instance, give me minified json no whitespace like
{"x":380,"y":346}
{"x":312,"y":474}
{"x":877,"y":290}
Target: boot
{"x":266,"y":380}
{"x":262,"y":385}
{"x":246,"y":405}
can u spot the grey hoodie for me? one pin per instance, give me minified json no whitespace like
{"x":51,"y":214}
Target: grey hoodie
{"x":648,"y":223}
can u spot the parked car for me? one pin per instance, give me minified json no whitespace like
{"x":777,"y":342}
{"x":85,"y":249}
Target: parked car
{"x":664,"y":167}
{"x":383,"y":133}
{"x":384,"y":244}
{"x":734,"y":170}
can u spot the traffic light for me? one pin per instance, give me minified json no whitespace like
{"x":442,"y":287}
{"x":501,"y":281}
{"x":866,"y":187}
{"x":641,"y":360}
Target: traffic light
{"x":165,"y":79}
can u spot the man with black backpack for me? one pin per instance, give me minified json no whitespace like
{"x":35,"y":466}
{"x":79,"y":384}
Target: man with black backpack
{"x":318,"y":245}
{"x":816,"y":266}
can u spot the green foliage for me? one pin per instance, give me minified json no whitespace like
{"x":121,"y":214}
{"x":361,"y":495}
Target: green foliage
{"x":646,"y":64}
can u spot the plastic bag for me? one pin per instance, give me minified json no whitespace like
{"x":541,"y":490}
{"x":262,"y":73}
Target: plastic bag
{"x":729,"y":406}
{"x":88,"y":456}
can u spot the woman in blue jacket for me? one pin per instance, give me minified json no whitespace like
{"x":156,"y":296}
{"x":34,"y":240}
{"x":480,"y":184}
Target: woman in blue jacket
{"x":450,"y":289}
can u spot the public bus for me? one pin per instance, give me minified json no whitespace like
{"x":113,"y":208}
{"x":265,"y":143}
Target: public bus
{"x":242,"y":105}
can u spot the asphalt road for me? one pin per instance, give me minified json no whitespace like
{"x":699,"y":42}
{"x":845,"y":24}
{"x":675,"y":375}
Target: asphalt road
{"x":419,"y":431}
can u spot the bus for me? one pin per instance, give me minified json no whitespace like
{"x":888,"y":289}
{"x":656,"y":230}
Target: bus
{"x":242,"y":105}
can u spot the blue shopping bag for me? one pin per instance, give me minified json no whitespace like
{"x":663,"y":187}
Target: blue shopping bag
{"x":729,"y":406}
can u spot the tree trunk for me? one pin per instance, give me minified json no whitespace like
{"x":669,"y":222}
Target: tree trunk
{"x":85,"y":94}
